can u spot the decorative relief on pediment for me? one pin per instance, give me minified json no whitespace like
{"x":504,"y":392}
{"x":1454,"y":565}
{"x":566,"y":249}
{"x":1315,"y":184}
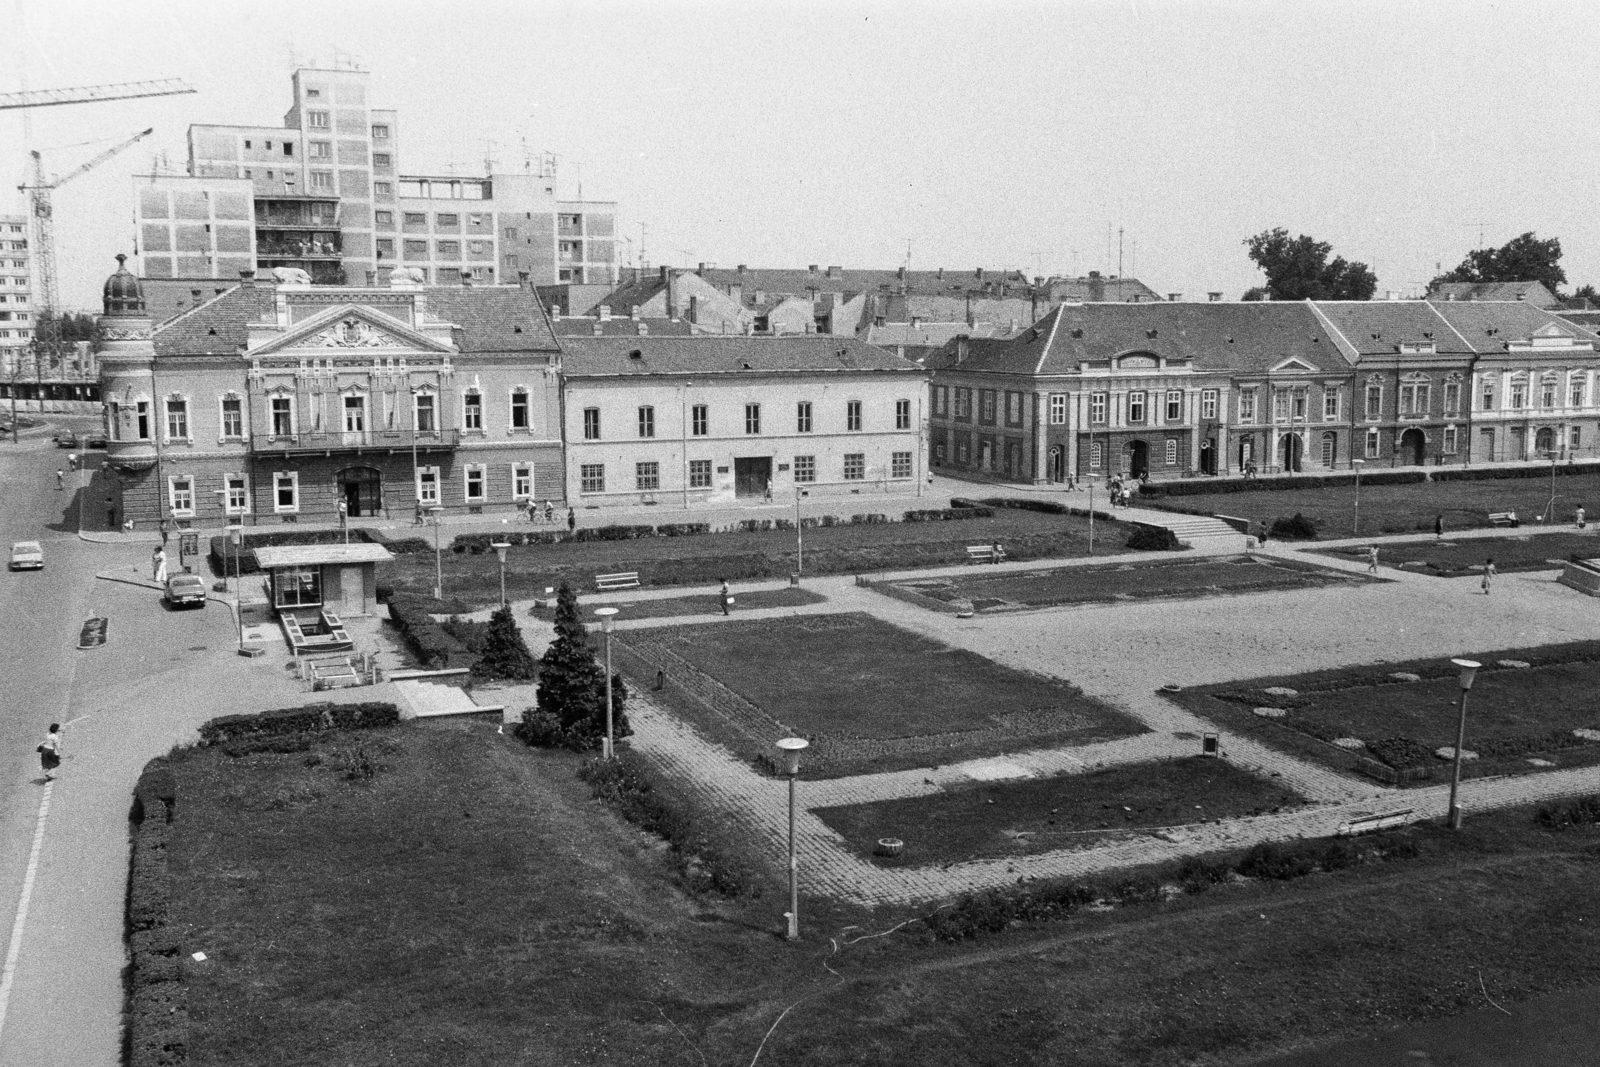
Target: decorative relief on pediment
{"x":349,"y":333}
{"x":126,"y":333}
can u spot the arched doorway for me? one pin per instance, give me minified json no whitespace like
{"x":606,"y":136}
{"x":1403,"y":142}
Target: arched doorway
{"x":361,"y":489}
{"x":1413,"y":447}
{"x":1544,"y":442}
{"x":1138,"y":459}
{"x":1330,"y":449}
{"x":1208,"y":456}
{"x":1292,"y":449}
{"x":1058,"y":464}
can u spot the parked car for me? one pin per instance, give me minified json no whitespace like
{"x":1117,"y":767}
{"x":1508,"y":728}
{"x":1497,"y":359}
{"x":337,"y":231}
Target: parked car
{"x":27,"y":555}
{"x":66,"y":439}
{"x":185,"y":589}
{"x":94,"y":440}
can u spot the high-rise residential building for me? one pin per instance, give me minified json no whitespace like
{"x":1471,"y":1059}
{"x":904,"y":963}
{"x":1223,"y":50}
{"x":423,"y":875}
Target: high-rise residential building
{"x":16,"y":293}
{"x":324,"y":193}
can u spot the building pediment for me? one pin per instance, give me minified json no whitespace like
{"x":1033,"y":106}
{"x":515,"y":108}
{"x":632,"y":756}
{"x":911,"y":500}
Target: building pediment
{"x":1294,"y":365}
{"x":348,"y":328}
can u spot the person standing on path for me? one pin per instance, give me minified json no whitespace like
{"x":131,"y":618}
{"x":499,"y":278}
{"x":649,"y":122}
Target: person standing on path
{"x":1581,"y":523}
{"x":50,"y":752}
{"x":158,"y":565}
{"x":61,"y":479}
{"x":1488,"y":574}
{"x":1372,"y":560}
{"x":572,"y":522}
{"x":1438,"y":526}
{"x":725,"y":598}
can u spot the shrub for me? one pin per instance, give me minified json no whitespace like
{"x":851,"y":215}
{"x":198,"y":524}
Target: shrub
{"x":313,"y":718}
{"x":157,"y":1009}
{"x":1146,"y":538}
{"x":1564,"y":814}
{"x":433,"y":645}
{"x":1298,"y":528}
{"x":1049,"y":507}
{"x":614,"y":533}
{"x":948,"y":514}
{"x":682,"y":529}
{"x":1400,"y":752}
{"x":1196,"y":875}
{"x":1272,"y":859}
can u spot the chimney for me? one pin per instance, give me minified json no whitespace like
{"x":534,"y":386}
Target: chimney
{"x":812,"y":268}
{"x":834,"y":272}
{"x":665,"y":272}
{"x":979,"y":273}
{"x":1519,"y":296}
{"x":643,"y":329}
{"x":939,"y":274}
{"x":605,"y":312}
{"x":694,"y":310}
{"x":901,"y":274}
{"x":961,"y":349}
{"x":195,"y":294}
{"x":524,"y":279}
{"x":598,"y":330}
{"x":247,"y":278}
{"x":1213,"y":297}
{"x":1097,"y":287}
{"x":633,"y":312}
{"x":701,"y":269}
{"x":1173,"y":298}
{"x":743,"y":268}
{"x":555,"y":312}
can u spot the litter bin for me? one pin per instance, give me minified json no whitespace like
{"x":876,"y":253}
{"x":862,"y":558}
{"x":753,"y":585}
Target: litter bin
{"x":1209,"y":745}
{"x":794,"y":577}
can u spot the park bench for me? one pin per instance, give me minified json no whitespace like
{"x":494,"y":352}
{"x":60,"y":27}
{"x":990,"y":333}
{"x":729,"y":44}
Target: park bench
{"x":621,"y":580}
{"x":985,"y":553}
{"x":1367,"y":824}
{"x":1503,"y":518}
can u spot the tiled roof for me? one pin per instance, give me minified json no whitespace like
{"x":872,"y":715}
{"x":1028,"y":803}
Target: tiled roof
{"x":714,"y":354}
{"x":621,"y":327}
{"x":1247,"y":337}
{"x":927,"y":333}
{"x":165,"y":298}
{"x":1379,"y":327}
{"x":1530,"y":292}
{"x":493,"y":318}
{"x":1474,"y":320}
{"x":799,"y":282}
{"x":633,"y":294}
{"x":1586,"y":317}
{"x":220,"y":326}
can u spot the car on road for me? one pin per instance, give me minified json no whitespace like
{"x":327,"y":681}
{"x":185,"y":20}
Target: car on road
{"x":66,"y":439}
{"x":27,"y":555}
{"x":185,"y":589}
{"x":94,"y":440}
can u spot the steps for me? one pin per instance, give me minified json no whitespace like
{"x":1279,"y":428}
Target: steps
{"x":1204,"y":534}
{"x":427,"y":700}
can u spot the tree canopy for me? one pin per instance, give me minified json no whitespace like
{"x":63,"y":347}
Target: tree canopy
{"x":572,"y":688}
{"x":505,"y":653}
{"x":1521,"y":259}
{"x":1298,"y":268}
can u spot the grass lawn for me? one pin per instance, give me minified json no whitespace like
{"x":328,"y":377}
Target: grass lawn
{"x":472,"y":904}
{"x":869,"y":695}
{"x":707,"y":558}
{"x":1516,"y":715}
{"x":1394,"y":509}
{"x":1070,"y":811}
{"x":1181,"y":577}
{"x":670,"y":607}
{"x":1452,"y":559}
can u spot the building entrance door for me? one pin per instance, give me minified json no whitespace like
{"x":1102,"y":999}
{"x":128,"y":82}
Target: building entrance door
{"x":351,"y":598}
{"x":1413,"y":447}
{"x":1208,"y":457}
{"x":361,"y":489}
{"x":1292,"y":448}
{"x":1138,"y":459}
{"x":751,"y":475}
{"x":1058,"y":464}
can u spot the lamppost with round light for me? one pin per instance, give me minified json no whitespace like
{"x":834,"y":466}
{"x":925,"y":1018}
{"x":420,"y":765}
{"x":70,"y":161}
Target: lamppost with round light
{"x":791,"y":748}
{"x":1468,"y":669}
{"x":606,"y":624}
{"x":500,"y":549}
{"x":1356,"y":465}
{"x":438,"y":565}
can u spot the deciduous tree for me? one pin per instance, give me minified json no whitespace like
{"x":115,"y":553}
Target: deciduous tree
{"x":1522,"y":259}
{"x":1298,"y":268}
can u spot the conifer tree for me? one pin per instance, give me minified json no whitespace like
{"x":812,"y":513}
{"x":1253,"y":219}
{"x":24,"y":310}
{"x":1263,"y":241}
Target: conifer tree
{"x":572,"y":684}
{"x":505,"y":653}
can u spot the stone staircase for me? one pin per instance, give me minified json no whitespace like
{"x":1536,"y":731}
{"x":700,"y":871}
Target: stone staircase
{"x":426,"y":700}
{"x":1205,"y":534}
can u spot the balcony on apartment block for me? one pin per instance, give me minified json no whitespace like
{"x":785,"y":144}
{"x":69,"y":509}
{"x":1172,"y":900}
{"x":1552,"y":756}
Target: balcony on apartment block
{"x":328,"y":442}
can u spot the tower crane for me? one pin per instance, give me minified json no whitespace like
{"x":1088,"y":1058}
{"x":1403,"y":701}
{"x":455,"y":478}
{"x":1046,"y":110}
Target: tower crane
{"x":39,"y":195}
{"x":91,"y":94}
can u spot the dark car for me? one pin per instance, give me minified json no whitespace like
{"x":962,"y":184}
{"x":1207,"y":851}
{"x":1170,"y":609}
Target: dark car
{"x":66,"y":439}
{"x":186,"y":590}
{"x":94,"y":440}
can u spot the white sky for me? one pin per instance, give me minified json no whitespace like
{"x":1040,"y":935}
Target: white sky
{"x":993,"y":134}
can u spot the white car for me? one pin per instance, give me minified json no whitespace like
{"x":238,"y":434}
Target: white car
{"x":27,"y":555}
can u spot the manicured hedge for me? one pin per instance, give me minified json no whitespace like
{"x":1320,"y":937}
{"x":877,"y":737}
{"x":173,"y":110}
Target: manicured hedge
{"x":951,"y":514}
{"x":434,"y":646}
{"x":226,"y":557}
{"x":1146,"y":538}
{"x":313,"y":718}
{"x":1476,"y":474}
{"x":157,"y":1008}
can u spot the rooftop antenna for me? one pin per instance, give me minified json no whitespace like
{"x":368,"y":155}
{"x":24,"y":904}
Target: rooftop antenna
{"x":908,"y":259}
{"x":1119,"y":264}
{"x":488,"y":156}
{"x":1479,"y":226}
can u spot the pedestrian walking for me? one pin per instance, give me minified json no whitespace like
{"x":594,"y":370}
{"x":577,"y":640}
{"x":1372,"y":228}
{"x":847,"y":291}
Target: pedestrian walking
{"x":416,"y":519}
{"x":1372,"y":560}
{"x":1438,"y":526}
{"x":50,"y":752}
{"x":725,"y":598}
{"x":572,"y":521}
{"x":769,"y":490}
{"x":1488,"y":574}
{"x":1581,"y":523}
{"x":111,"y":513}
{"x":158,"y":565}
{"x":549,"y":511}
{"x":61,"y":479}
{"x":72,"y":461}
{"x":164,"y":534}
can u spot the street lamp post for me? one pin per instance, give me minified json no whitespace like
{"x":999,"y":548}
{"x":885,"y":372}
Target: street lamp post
{"x":1469,"y":668}
{"x":799,"y":534}
{"x":1550,"y":509}
{"x":344,"y":520}
{"x":500,"y":549}
{"x":791,"y":748}
{"x":606,"y":624}
{"x":438,"y":566}
{"x":235,"y":535}
{"x":1356,"y":465}
{"x":1091,"y":516}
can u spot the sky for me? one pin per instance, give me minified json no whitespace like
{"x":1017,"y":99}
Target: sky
{"x":1055,"y":138}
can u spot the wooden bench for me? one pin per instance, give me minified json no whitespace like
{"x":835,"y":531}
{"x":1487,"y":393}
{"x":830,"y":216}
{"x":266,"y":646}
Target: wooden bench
{"x":985,"y":553}
{"x":1367,"y":824}
{"x":623,"y":580}
{"x":1503,"y":518}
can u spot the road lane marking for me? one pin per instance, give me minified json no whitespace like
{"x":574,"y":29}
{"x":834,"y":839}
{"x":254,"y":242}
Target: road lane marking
{"x":8,"y":975}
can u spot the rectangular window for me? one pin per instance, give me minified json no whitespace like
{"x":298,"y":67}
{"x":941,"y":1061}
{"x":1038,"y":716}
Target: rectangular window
{"x":286,"y":491}
{"x":1575,"y":393}
{"x":317,"y":120}
{"x":1374,"y":401}
{"x":416,"y":249}
{"x":415,"y":219}
{"x":382,"y":160}
{"x":902,"y":414}
{"x":805,"y":468}
{"x":238,"y":494}
{"x":1547,"y":393}
{"x":1136,"y":406}
{"x":752,"y":418}
{"x":802,"y":417}
{"x":592,"y":477}
{"x":1486,"y":400}
{"x":699,"y":474}
{"x":355,"y":414}
{"x":963,"y":403}
{"x":1449,"y":440}
{"x":282,"y":416}
{"x":472,"y":412}
{"x":852,"y":415}
{"x":1280,"y":404}
{"x":700,"y":420}
{"x":519,"y":409}
{"x":1330,"y":405}
{"x":424,"y":418}
{"x":1372,"y":443}
{"x":450,"y":221}
{"x":647,"y":476}
{"x":382,"y":189}
{"x":591,"y":424}
{"x":1452,"y":397}
{"x":941,"y":400}
{"x":449,"y":249}
{"x":1519,"y":395}
{"x":177,"y":420}
{"x":474,"y":484}
{"x":1096,"y":456}
{"x":1574,"y":437}
{"x":180,"y":495}
{"x":900,"y":464}
{"x":1174,"y":405}
{"x":380,"y":132}
{"x":1172,"y":452}
{"x":647,"y":421}
{"x":383,"y":218}
{"x":428,"y":485}
{"x":321,"y":150}
{"x":521,"y":481}
{"x":1013,"y":409}
{"x":1208,"y":404}
{"x":986,"y":399}
{"x":855,"y":466}
{"x":1299,"y":405}
{"x":232,"y":417}
{"x":322,"y":179}
{"x":1058,"y":409}
{"x":1097,"y":408}
{"x":1414,"y":399}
